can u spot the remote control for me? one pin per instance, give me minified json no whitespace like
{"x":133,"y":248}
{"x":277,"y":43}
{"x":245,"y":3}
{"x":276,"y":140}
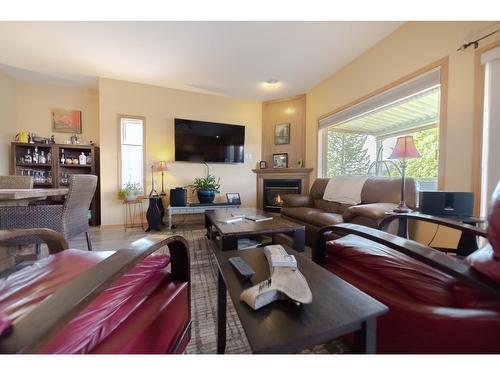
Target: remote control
{"x":242,"y":267}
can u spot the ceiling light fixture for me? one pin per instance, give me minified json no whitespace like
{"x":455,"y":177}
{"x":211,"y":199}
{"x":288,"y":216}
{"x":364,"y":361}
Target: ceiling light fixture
{"x":271,"y":84}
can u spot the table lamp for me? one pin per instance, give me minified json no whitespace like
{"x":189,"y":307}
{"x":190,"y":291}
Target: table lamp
{"x":405,"y":148}
{"x":161,"y":166}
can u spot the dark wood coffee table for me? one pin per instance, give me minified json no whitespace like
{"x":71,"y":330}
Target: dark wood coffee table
{"x":337,"y":308}
{"x":226,"y":235}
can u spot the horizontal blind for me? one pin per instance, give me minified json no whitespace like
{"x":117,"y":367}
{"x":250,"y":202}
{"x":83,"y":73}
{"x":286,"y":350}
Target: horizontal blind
{"x":385,"y":99}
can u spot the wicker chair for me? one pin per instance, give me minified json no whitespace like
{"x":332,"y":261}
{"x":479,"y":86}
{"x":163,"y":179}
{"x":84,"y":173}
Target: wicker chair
{"x":16,"y":182}
{"x":70,"y":219}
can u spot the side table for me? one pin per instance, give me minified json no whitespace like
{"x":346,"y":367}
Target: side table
{"x":130,"y":208}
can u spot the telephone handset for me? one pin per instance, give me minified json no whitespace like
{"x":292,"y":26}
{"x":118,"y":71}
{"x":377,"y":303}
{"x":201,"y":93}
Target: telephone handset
{"x":286,"y":281}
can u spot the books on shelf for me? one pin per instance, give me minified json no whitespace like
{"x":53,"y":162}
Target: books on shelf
{"x":258,"y":217}
{"x":250,"y":243}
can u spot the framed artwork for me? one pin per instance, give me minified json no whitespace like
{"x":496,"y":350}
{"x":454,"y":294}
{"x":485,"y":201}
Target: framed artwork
{"x":263,"y":164}
{"x":280,"y":160}
{"x":66,"y":121}
{"x":233,"y":198}
{"x":282,"y":134}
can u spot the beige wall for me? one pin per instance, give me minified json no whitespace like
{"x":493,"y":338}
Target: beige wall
{"x":35,"y":102}
{"x":27,"y":106}
{"x":7,"y":119}
{"x":160,"y":106}
{"x":292,"y":111}
{"x":409,"y":48}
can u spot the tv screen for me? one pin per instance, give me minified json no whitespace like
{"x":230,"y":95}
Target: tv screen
{"x":201,"y":141}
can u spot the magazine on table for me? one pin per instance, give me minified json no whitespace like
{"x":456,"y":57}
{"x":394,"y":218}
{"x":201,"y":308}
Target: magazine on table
{"x":258,"y":217}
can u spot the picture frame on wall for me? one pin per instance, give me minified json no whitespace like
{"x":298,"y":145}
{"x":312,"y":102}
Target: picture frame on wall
{"x":66,"y":121}
{"x":280,"y":160}
{"x":282,"y":134}
{"x":233,"y":198}
{"x":263,"y":164}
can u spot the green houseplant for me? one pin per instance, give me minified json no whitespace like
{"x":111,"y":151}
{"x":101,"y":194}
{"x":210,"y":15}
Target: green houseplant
{"x":206,"y":187}
{"x":130,"y":191}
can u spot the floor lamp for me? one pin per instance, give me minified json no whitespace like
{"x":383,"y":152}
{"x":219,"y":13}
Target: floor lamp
{"x":404,"y":149}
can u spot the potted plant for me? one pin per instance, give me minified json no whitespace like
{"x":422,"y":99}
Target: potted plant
{"x":130,"y":191}
{"x":205,"y":188}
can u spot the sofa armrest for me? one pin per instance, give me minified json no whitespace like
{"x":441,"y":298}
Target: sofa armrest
{"x":374,"y":211}
{"x":297,"y":200}
{"x":413,"y":249}
{"x":39,"y":325}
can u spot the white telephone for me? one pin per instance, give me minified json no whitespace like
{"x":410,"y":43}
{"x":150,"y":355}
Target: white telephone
{"x":286,"y":281}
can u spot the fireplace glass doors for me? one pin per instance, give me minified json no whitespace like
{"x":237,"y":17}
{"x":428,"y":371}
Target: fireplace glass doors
{"x":275,"y":189}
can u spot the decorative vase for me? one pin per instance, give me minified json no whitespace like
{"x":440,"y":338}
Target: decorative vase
{"x":131,"y":197}
{"x":205,"y":196}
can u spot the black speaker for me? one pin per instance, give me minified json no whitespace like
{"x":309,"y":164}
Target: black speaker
{"x":447,"y":203}
{"x":178,"y":197}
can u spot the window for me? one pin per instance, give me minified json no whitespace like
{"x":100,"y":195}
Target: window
{"x":490,"y":143}
{"x":132,"y":150}
{"x":360,"y":139}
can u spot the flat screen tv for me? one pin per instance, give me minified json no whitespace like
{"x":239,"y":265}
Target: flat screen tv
{"x":210,"y":142}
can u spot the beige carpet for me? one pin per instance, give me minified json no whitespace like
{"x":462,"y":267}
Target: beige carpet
{"x":204,"y":304}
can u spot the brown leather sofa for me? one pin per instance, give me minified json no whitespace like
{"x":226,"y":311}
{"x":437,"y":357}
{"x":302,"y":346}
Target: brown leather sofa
{"x":379,"y":195}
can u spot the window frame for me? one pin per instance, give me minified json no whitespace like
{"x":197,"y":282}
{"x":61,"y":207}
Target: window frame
{"x":119,"y":158}
{"x":442,"y":65}
{"x":477,"y":144}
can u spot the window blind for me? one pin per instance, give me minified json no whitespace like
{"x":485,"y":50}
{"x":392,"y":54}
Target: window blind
{"x":388,"y":98}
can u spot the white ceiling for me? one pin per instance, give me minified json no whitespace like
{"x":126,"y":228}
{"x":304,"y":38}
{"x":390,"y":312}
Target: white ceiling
{"x":224,"y":58}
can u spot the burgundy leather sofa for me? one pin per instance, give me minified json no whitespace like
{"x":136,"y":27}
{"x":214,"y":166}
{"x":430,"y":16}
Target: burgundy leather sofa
{"x":438,"y":303}
{"x":77,"y":301}
{"x":379,"y":194}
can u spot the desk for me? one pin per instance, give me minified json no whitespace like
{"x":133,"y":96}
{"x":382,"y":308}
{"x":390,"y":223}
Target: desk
{"x":21,"y":197}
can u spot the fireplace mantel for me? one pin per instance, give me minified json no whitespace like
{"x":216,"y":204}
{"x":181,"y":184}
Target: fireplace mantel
{"x":301,"y":174}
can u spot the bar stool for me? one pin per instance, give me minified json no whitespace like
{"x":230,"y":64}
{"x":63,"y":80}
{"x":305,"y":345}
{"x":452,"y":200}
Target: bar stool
{"x":130,"y":208}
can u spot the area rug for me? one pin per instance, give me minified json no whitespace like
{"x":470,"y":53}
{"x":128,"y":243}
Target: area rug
{"x":204,"y":304}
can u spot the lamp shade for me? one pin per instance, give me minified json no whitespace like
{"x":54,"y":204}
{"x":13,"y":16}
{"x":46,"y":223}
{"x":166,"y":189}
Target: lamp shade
{"x":405,"y":148}
{"x":161,"y":166}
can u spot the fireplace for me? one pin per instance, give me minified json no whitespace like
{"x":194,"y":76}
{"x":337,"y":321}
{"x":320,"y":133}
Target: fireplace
{"x":274,"y":189}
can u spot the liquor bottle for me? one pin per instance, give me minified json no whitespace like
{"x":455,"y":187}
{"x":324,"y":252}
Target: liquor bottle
{"x":42,"y":159}
{"x":82,"y":159}
{"x":35,"y":155}
{"x":49,"y":157}
{"x":63,"y":158}
{"x":27,"y":157}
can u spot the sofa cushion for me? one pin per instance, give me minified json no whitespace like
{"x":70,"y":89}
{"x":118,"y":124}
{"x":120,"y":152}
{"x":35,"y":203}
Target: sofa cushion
{"x":334,"y":207}
{"x":423,"y":283}
{"x":312,"y":216}
{"x":375,"y":211}
{"x":22,"y":291}
{"x":299,"y":213}
{"x":322,"y":219}
{"x":388,"y":190}
{"x":318,"y":188}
